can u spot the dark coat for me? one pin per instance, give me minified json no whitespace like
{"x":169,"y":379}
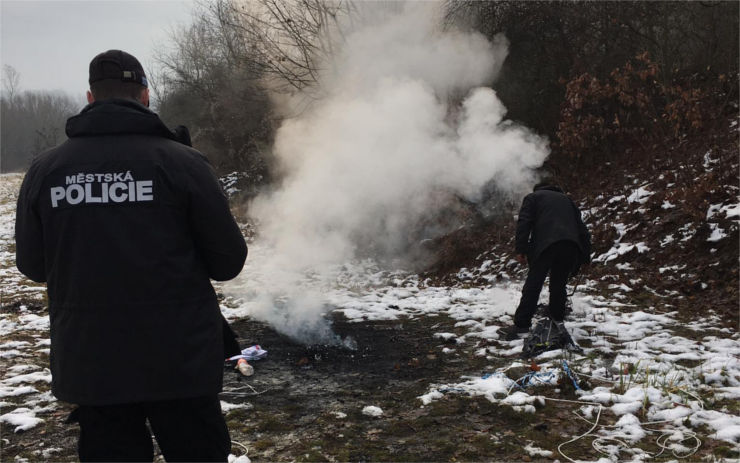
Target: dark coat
{"x":126,"y":225}
{"x":547,"y":216}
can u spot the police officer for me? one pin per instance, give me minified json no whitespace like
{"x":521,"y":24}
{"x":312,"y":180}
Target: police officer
{"x":552,"y":237}
{"x":127,"y":226}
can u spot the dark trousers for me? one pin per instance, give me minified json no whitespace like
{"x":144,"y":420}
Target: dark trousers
{"x":559,"y":260}
{"x":186,"y":430}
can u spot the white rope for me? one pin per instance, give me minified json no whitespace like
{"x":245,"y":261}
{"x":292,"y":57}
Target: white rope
{"x":505,"y":369}
{"x":516,"y":383}
{"x":577,"y":438}
{"x":599,"y":443}
{"x":698,"y":399}
{"x":244,"y":447}
{"x":663,"y":438}
{"x":666,"y":435}
{"x":236,"y":391}
{"x":600,"y":447}
{"x":599,"y":378}
{"x":649,"y":423}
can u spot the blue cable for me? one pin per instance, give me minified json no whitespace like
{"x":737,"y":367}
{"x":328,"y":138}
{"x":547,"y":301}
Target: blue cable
{"x":570,"y":374}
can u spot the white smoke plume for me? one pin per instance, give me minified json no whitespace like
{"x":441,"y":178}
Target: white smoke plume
{"x":365,"y":160}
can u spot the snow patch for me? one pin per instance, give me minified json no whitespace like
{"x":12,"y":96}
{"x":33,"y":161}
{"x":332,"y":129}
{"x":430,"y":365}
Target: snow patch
{"x":372,"y":410}
{"x":640,"y":195}
{"x":22,"y":418}
{"x":717,"y":233}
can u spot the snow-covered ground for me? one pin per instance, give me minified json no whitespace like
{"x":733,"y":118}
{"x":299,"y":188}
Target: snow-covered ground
{"x":658,"y":378}
{"x":653,"y":379}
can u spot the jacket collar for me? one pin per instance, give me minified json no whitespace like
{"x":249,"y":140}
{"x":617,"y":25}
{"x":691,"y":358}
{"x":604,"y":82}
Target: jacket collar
{"x":549,"y":187}
{"x":116,"y":117}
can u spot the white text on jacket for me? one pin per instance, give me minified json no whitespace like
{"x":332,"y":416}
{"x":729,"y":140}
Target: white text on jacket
{"x":103,"y":188}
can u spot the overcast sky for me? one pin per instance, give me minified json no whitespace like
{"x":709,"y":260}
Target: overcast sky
{"x":50,"y":43}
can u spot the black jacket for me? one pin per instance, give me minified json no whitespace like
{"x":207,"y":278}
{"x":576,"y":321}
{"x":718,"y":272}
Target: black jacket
{"x":126,"y":226}
{"x":547,"y":216}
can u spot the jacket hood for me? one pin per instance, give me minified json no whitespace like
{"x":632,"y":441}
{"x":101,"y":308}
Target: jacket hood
{"x":116,"y":117}
{"x":549,"y":187}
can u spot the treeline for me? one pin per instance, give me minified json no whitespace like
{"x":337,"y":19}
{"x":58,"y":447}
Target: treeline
{"x":554,"y":43}
{"x":30,"y":121}
{"x":594,"y":77}
{"x":589,"y":75}
{"x":602,"y":79}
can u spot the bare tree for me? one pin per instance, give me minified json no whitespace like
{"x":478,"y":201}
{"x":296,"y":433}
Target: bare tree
{"x":11,"y":82}
{"x":209,"y":80}
{"x":290,"y":41}
{"x":31,"y":123}
{"x":218,"y":72}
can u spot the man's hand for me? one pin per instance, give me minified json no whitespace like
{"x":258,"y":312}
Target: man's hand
{"x":521,"y":258}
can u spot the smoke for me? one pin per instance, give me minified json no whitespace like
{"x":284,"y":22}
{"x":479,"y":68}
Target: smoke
{"x":364,"y":163}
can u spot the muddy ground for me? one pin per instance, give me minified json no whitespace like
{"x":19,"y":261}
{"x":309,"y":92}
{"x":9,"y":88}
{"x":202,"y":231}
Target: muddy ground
{"x":305,"y":404}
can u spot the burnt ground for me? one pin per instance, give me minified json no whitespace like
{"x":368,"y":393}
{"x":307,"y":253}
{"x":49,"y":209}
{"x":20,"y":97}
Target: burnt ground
{"x":299,"y":395}
{"x":305,"y":403}
{"x":296,"y":418}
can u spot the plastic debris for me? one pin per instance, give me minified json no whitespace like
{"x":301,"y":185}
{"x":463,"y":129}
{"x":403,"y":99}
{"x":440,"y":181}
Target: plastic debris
{"x":571,"y":375}
{"x":251,"y":353}
{"x":548,"y":335}
{"x":244,"y":368}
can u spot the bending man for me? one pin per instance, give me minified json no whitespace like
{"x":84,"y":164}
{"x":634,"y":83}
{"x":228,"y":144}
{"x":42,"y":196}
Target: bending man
{"x":551,"y":235}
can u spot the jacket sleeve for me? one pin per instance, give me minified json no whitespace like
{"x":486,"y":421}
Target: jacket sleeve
{"x":29,"y":237}
{"x":216,"y":234}
{"x":524,"y":225}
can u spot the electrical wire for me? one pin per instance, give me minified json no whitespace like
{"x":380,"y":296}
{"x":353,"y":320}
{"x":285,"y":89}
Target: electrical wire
{"x":575,"y":284}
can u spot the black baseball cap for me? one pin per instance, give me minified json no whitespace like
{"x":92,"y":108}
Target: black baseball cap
{"x":119,"y":65}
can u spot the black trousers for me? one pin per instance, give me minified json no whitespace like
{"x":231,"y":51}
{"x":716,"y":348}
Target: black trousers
{"x":186,"y":430}
{"x":558,"y":260}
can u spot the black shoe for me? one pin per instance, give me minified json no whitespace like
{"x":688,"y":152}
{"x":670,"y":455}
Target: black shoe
{"x":514,"y":332}
{"x":565,"y":339}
